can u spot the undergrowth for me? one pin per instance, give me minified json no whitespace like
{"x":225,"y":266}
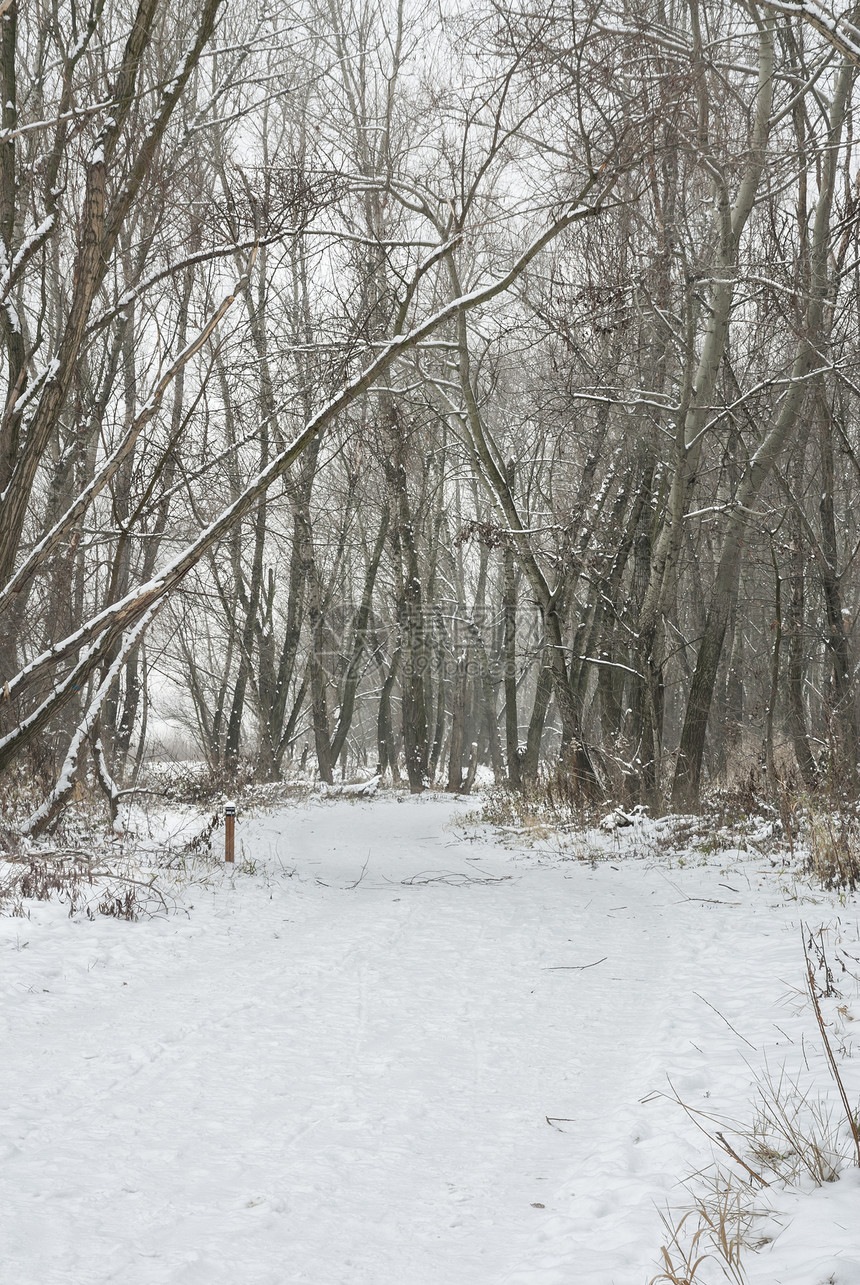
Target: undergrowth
{"x":817,"y":834}
{"x":546,"y":804}
{"x":87,"y":882}
{"x":796,"y":1136}
{"x":834,"y":849}
{"x":90,"y":868}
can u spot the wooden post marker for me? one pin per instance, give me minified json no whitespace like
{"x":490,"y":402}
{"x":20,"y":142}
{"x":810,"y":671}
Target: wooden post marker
{"x":229,"y":832}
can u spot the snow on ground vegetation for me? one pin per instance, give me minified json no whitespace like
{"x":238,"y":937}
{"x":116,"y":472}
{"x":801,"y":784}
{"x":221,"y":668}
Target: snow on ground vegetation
{"x":396,"y":1044}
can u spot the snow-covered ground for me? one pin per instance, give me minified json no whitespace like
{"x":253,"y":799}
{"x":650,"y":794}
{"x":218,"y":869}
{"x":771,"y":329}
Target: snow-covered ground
{"x":388,"y":1050}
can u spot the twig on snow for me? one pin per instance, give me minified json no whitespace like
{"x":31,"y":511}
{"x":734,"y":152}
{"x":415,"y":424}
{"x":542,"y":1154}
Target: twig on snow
{"x":726,"y":1020}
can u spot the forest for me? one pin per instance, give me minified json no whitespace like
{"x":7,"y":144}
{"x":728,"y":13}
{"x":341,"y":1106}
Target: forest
{"x":415,"y":389}
{"x":429,"y":642}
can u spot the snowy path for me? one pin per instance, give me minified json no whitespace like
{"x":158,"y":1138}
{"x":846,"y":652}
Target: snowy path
{"x":308,"y":1081}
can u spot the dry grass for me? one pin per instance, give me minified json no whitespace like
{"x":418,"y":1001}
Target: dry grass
{"x":834,"y":849}
{"x":707,"y":1238}
{"x":797,"y":1134}
{"x":87,"y":883}
{"x":552,"y":802}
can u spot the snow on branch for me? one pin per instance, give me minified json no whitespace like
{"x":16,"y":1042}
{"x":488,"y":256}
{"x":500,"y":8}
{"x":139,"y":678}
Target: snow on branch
{"x":129,"y":609}
{"x":52,"y":539}
{"x":44,"y":815}
{"x":841,"y":33}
